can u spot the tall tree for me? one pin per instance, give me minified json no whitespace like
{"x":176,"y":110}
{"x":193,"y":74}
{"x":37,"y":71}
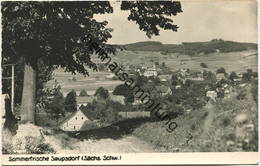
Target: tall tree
{"x":51,"y":32}
{"x":56,"y":106}
{"x":102,"y":92}
{"x":123,"y":90}
{"x":71,"y":102}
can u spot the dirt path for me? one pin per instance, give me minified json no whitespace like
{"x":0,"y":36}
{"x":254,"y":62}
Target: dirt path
{"x":126,"y":144}
{"x":117,"y":138}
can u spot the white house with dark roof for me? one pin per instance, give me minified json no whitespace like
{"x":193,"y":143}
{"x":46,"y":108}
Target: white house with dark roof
{"x":151,"y":72}
{"x":75,"y":122}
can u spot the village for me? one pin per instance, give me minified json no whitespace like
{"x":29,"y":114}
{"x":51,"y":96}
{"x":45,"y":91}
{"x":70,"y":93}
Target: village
{"x":161,"y":83}
{"x":199,"y":72}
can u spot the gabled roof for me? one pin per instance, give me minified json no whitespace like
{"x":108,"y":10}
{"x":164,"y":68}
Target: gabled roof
{"x":66,"y":119}
{"x":166,"y":76}
{"x":118,"y":98}
{"x":220,"y":75}
{"x":85,"y":99}
{"x":162,"y":89}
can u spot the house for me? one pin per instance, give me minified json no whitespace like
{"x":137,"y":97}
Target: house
{"x":163,"y":90}
{"x":164,"y":78}
{"x":220,"y":76}
{"x":117,"y":98}
{"x":75,"y":122}
{"x":152,"y":71}
{"x":237,"y":79}
{"x":136,"y":114}
{"x":137,"y":101}
{"x":110,"y":76}
{"x":84,"y":100}
{"x":177,"y":86}
{"x":212,"y":95}
{"x":197,"y":76}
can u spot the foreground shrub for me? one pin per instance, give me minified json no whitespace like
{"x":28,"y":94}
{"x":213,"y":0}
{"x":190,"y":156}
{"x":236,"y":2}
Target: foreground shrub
{"x":37,"y":146}
{"x":29,"y":139}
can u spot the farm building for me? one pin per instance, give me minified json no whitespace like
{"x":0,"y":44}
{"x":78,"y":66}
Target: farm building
{"x":84,"y":100}
{"x":196,"y":77}
{"x":212,"y":95}
{"x":75,"y":122}
{"x":163,"y":90}
{"x":117,"y":98}
{"x":165,"y":77}
{"x":139,"y":114}
{"x":151,"y":72}
{"x":220,"y":76}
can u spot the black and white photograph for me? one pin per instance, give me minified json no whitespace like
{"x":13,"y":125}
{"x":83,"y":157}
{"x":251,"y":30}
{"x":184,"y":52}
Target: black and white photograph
{"x":114,"y":78}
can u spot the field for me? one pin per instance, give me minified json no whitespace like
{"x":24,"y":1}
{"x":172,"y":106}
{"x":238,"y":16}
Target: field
{"x":89,"y":83}
{"x":234,"y":61}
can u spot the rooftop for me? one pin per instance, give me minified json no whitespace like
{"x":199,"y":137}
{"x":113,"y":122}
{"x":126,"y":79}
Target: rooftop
{"x":85,"y":99}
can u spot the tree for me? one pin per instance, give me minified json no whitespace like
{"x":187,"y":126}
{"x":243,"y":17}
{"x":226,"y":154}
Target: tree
{"x":175,"y":80}
{"x":221,"y":70}
{"x":74,"y":79}
{"x":210,"y":76}
{"x":71,"y":102}
{"x":57,"y":105}
{"x":83,"y":93}
{"x":124,"y":91}
{"x":203,"y":65}
{"x":247,"y":76}
{"x":102,"y":92}
{"x":52,"y":32}
{"x":233,"y":75}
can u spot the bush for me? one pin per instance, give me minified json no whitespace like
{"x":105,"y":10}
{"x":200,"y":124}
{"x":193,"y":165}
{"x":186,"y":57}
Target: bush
{"x":203,"y":65}
{"x":31,"y":145}
{"x":221,"y":70}
{"x":233,"y":75}
{"x":225,"y":121}
{"x":36,"y":146}
{"x":74,"y":79}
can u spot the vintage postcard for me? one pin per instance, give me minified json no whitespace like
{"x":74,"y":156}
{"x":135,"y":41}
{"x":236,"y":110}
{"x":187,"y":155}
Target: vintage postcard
{"x":129,"y":82}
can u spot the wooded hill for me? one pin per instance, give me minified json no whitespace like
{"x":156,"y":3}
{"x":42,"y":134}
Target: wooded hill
{"x":191,"y":48}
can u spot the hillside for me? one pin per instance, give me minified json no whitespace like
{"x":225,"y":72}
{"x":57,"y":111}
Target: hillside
{"x":232,"y":61}
{"x":192,"y":48}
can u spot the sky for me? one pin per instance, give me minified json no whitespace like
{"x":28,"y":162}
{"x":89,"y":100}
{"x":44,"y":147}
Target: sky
{"x":201,"y":20}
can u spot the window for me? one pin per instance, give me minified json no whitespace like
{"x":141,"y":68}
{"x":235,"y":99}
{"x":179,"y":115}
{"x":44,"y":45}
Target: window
{"x":76,"y":118}
{"x":82,"y":118}
{"x":74,"y":127}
